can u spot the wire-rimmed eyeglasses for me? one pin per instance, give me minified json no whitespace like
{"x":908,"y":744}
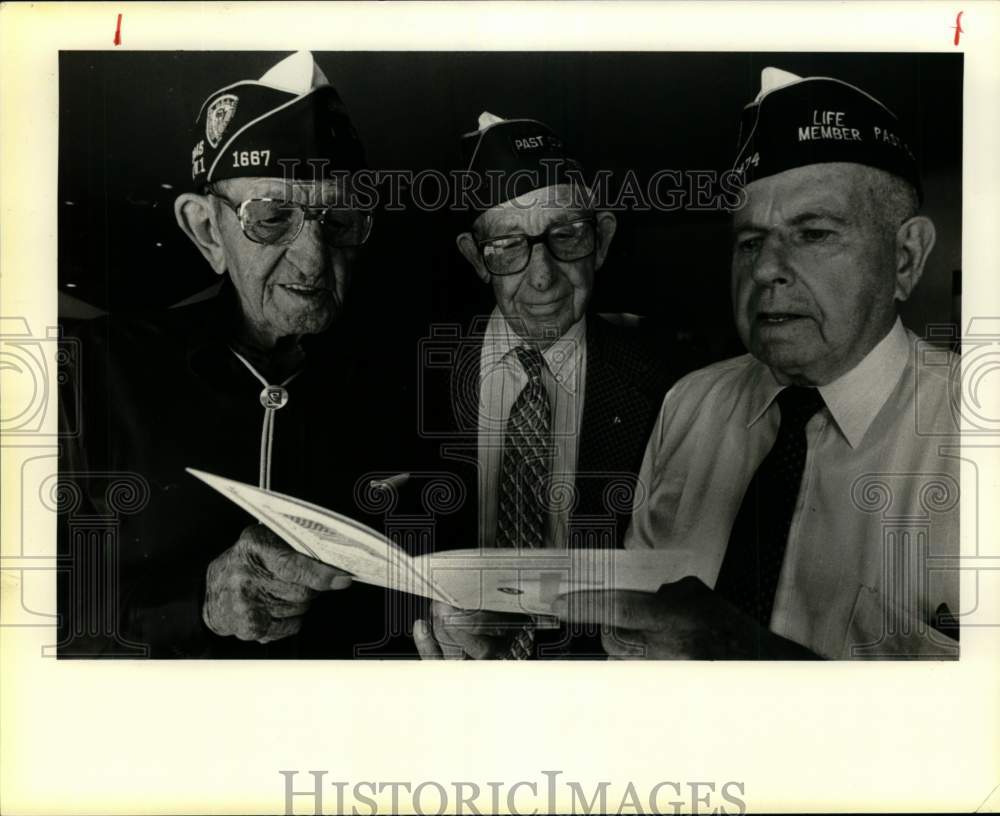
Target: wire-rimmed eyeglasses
{"x":275,"y":221}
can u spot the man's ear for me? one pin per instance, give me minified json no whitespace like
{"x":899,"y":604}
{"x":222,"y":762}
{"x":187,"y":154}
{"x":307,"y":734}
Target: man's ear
{"x":914,"y":242}
{"x":196,"y":218}
{"x":467,"y":246}
{"x":606,"y":226}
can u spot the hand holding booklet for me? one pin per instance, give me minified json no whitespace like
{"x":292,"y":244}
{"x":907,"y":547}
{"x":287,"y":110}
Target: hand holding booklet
{"x":500,"y":580}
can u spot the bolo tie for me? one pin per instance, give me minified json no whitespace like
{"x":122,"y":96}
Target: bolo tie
{"x":273,"y":398}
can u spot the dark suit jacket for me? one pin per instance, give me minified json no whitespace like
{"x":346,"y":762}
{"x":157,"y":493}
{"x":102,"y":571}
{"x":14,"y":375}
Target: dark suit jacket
{"x":625,"y":386}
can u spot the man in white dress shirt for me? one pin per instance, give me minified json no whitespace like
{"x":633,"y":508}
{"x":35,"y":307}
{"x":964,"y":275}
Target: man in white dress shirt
{"x":813,"y":483}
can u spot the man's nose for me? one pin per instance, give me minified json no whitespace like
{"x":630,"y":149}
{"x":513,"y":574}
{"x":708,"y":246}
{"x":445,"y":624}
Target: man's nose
{"x":541,"y":270}
{"x":309,"y":252}
{"x":771,"y":266}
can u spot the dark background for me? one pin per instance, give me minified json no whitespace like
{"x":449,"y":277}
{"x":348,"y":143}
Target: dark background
{"x":126,"y":137}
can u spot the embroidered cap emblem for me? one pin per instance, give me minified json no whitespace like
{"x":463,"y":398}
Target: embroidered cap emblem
{"x":220,"y":114}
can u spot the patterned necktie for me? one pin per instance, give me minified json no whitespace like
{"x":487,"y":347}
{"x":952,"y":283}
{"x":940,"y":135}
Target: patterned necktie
{"x":752,"y":564}
{"x":527,"y":450}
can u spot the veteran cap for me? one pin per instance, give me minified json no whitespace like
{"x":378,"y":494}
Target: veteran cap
{"x":275,"y":126}
{"x":510,"y":157}
{"x":795,"y":121}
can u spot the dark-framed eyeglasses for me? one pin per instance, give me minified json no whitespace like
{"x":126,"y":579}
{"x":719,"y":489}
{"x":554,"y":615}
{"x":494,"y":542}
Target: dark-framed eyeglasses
{"x":275,"y":221}
{"x":568,"y":241}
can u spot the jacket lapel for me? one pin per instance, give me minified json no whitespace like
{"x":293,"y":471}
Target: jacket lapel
{"x":616,"y":407}
{"x":615,"y":427}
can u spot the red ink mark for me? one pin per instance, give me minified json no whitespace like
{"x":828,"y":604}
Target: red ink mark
{"x":118,"y":31}
{"x":958,"y":26}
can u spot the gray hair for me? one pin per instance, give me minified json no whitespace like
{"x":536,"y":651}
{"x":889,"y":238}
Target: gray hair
{"x":892,"y":199}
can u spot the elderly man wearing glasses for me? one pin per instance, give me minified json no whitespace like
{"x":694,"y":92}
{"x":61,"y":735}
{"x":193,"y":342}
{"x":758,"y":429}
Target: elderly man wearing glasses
{"x":260,"y":384}
{"x":565,"y":400}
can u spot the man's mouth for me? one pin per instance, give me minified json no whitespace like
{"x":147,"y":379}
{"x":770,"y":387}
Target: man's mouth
{"x":545,"y":307}
{"x":777,"y":318}
{"x":302,"y":290}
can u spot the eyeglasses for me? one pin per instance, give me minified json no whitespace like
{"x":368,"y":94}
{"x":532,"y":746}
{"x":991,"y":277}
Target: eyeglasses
{"x":277,"y":222}
{"x":569,"y":241}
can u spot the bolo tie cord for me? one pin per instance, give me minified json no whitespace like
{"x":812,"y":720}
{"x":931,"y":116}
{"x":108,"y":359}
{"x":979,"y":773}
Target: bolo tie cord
{"x":273,"y":397}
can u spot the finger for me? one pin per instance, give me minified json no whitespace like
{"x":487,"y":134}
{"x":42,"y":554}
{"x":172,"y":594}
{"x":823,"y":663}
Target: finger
{"x":483,"y":627}
{"x":624,"y":609}
{"x":453,"y":652}
{"x":450,"y":647}
{"x":483,"y":621}
{"x":271,"y":591}
{"x":459,"y":632}
{"x":256,"y":624}
{"x":623,"y":644}
{"x":545,"y":621}
{"x":440,"y":610}
{"x":479,"y":647}
{"x":270,"y":553}
{"x":285,"y":564}
{"x":280,"y":609}
{"x":481,"y":634}
{"x":341,"y":581}
{"x":445,"y":617}
{"x":281,"y":628}
{"x":427,"y":645}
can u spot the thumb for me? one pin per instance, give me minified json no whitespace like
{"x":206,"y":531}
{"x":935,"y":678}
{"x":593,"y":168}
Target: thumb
{"x":427,"y":644}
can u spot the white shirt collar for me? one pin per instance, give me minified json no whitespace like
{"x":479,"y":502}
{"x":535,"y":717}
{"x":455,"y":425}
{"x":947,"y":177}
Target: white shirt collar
{"x":855,"y":398}
{"x":561,"y":358}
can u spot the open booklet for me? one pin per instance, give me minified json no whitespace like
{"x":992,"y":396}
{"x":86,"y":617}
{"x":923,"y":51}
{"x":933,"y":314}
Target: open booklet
{"x":501,"y":580}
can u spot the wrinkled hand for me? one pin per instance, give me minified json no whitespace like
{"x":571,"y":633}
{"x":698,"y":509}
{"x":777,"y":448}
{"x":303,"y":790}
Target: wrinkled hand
{"x":460,"y":634}
{"x":260,"y":588}
{"x":684,"y":620}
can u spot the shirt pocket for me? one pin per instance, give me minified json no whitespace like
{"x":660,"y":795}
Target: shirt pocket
{"x":881,"y":629}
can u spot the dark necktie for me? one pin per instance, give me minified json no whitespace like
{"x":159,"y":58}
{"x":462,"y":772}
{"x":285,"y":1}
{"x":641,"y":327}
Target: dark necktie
{"x":527,"y":450}
{"x":752,"y":564}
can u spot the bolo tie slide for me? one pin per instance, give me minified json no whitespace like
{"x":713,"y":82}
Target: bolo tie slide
{"x":273,"y":398}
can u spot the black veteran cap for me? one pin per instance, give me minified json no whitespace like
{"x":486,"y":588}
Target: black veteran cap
{"x":275,"y":126}
{"x":795,"y":121}
{"x":510,"y":157}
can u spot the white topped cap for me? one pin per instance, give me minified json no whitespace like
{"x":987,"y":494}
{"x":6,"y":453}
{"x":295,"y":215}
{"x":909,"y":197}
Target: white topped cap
{"x":487,"y":119}
{"x":773,"y":78}
{"x":297,"y":74}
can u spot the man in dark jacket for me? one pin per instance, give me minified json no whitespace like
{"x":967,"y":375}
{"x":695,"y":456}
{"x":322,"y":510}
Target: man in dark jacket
{"x":552,"y":407}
